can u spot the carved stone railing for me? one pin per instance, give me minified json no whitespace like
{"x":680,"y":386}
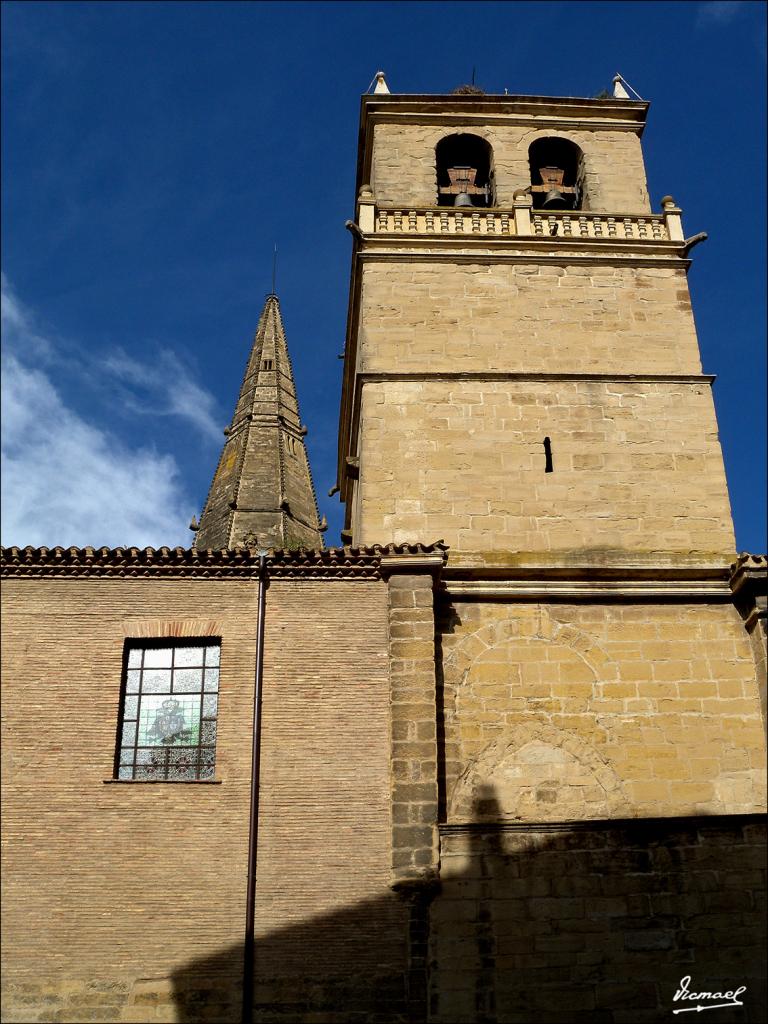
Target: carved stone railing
{"x":445,"y":220}
{"x":579,"y":224}
{"x":520,"y":220}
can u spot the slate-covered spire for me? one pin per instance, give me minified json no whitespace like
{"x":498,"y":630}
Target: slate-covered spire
{"x":262,"y":490}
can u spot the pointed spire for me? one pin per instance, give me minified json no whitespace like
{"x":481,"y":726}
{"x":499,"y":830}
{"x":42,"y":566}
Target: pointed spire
{"x":263,"y":484}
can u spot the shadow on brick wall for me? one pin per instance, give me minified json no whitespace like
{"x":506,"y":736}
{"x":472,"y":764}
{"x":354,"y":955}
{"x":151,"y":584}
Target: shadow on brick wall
{"x":559,"y":923}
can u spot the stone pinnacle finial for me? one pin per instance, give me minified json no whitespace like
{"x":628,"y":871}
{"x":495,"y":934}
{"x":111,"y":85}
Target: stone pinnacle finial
{"x":619,"y":92}
{"x":381,"y":83}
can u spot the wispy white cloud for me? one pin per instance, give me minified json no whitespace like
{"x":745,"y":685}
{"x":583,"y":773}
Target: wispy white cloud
{"x":717,"y":12}
{"x":69,"y":481}
{"x":17,"y":325}
{"x":164,"y":387}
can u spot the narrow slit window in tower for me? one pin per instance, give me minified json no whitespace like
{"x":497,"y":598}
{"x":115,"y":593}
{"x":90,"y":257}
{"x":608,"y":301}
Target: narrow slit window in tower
{"x":548,"y":467}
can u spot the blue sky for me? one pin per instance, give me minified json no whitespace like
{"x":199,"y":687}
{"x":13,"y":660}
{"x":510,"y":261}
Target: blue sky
{"x":154,"y":152}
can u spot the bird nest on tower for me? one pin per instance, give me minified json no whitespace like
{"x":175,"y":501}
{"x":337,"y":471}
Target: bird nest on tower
{"x":468,"y":90}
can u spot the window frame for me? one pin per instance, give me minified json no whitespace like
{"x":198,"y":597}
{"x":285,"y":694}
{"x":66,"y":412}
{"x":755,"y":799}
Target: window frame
{"x":156,"y":643}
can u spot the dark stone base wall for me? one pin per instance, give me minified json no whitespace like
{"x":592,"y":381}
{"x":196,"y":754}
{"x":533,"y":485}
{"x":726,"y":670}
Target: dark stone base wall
{"x":598,"y":923}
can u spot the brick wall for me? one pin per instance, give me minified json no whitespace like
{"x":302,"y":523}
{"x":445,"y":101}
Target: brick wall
{"x":126,"y":901}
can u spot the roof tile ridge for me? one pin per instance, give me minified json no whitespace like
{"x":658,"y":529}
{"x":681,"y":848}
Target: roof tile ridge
{"x":179,"y":551}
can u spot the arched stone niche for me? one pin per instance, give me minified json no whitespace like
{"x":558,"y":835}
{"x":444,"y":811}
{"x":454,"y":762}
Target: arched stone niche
{"x":537,"y":774}
{"x":519,"y":722}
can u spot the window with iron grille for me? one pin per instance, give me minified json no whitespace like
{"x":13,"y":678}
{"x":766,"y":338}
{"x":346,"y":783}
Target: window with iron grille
{"x":167,"y":729}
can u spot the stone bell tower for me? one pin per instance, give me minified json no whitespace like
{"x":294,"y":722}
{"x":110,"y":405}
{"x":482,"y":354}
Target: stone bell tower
{"x":522,"y":370}
{"x":522,"y":380}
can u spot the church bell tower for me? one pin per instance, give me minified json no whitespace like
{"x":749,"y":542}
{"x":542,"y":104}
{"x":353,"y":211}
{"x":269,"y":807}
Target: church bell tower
{"x":522,"y":370}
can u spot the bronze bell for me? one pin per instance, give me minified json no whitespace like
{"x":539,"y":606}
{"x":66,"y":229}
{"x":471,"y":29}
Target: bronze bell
{"x":554,"y":200}
{"x":463,"y":199}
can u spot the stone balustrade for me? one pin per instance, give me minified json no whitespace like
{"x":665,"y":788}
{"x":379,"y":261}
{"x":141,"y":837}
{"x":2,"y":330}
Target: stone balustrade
{"x":577,"y":224}
{"x":521,"y":220}
{"x":445,"y":220}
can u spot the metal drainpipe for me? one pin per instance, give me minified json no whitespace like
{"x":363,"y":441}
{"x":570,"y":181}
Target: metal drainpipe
{"x":249,"y":946}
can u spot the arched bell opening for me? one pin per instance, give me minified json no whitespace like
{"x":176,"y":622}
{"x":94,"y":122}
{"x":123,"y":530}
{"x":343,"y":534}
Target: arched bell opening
{"x":556,"y":174}
{"x":464,"y":165}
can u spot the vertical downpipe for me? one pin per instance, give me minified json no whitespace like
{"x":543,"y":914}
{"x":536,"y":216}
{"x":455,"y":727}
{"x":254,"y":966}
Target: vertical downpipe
{"x":249,"y":946}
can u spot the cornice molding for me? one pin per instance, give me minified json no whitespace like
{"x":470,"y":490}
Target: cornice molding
{"x":749,"y":584}
{"x":566,"y":258}
{"x":749,"y":572}
{"x":534,"y":120}
{"x":629,"y":589}
{"x":379,"y":377}
{"x":610,"y":113}
{"x":617,"y":579}
{"x":391,"y":564}
{"x":533,"y":245}
{"x":173,"y":563}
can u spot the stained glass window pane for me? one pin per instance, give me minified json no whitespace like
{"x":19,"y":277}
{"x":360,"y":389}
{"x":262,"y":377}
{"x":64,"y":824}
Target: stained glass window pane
{"x":188,"y":680}
{"x":156,"y":681}
{"x":168,"y":728}
{"x":189,"y":656}
{"x":183,"y":755}
{"x":158,"y":657}
{"x":169,"y":721}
